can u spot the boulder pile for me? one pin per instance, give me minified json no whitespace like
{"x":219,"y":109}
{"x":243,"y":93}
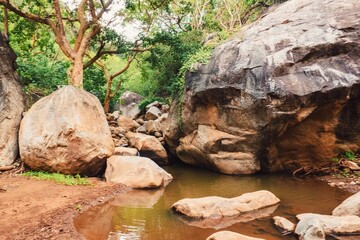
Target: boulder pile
{"x":141,"y":132}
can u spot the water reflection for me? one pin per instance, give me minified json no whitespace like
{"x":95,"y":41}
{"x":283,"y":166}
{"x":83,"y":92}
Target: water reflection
{"x":147,"y":215}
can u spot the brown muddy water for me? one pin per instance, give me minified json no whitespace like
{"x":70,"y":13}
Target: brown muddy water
{"x":147,"y":215}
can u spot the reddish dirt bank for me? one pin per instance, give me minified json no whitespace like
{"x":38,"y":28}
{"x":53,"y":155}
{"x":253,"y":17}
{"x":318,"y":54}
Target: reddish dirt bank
{"x":35,"y":209}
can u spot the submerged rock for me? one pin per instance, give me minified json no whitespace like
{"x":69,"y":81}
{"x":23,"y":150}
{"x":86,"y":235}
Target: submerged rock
{"x":66,"y":132}
{"x":135,"y":172}
{"x":11,"y":105}
{"x":350,"y":206}
{"x":284,"y":225}
{"x":218,"y":207}
{"x":287,"y":87}
{"x":228,"y":235}
{"x":310,"y":230}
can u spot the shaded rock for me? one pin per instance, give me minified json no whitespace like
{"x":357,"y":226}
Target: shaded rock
{"x":141,"y":129}
{"x":158,"y":135}
{"x":11,"y":105}
{"x":228,"y":235}
{"x":122,"y":142}
{"x":127,"y":123}
{"x":118,"y":130}
{"x":140,"y":121}
{"x":287,"y":85}
{"x":310,"y":230}
{"x":135,"y":172}
{"x":218,"y":207}
{"x":152,"y":114}
{"x":350,"y":206}
{"x":284,"y":225}
{"x":342,"y":225}
{"x":129,"y":104}
{"x":152,"y":126}
{"x":126,"y":151}
{"x":217,"y":150}
{"x":116,"y":114}
{"x":71,"y":137}
{"x":163,"y":117}
{"x":149,"y":147}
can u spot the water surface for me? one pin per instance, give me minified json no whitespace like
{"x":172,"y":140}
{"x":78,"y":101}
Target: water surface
{"x":147,"y":215}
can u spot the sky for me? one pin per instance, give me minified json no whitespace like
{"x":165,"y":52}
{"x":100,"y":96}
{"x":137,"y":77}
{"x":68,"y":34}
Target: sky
{"x":129,"y":30}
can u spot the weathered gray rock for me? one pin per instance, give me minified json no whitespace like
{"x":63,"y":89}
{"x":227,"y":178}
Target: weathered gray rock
{"x":218,"y":207}
{"x":350,"y":206}
{"x":152,"y":114}
{"x":149,"y":147}
{"x":66,"y":132}
{"x":287,"y":87}
{"x":228,"y":235}
{"x":129,"y":104}
{"x":311,"y":229}
{"x":11,"y":105}
{"x":126,"y":151}
{"x":127,"y":123}
{"x":342,"y":225}
{"x":284,"y":225}
{"x":135,"y":172}
{"x":153,"y":104}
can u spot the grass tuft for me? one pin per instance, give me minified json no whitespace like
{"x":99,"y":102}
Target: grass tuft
{"x":58,"y":177}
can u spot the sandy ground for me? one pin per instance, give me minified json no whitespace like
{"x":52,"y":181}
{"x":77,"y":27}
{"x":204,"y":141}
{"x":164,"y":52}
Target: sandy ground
{"x":35,"y":209}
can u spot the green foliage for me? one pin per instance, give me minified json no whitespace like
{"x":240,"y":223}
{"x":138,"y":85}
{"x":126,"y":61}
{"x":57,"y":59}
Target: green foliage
{"x":350,"y":155}
{"x":95,"y":82}
{"x":57,"y":177}
{"x":41,"y":74}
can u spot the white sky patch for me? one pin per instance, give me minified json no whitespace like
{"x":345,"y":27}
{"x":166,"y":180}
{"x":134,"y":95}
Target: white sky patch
{"x":130,"y":30}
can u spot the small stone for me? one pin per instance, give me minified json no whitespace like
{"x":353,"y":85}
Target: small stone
{"x":140,"y":121}
{"x":341,"y":184}
{"x":152,"y":114}
{"x":157,"y":134}
{"x":353,"y":183}
{"x":332,"y":184}
{"x":285,"y":225}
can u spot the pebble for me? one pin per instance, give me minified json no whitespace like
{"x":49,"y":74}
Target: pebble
{"x":353,"y":183}
{"x":341,"y":183}
{"x":332,"y":184}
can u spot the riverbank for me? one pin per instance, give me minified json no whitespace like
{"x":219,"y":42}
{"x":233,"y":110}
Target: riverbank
{"x":37,"y":209}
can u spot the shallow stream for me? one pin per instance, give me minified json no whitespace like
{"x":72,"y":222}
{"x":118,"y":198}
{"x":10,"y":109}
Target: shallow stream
{"x":147,"y":215}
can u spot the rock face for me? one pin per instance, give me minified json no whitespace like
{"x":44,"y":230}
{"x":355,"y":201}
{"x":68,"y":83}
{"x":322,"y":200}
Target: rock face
{"x":135,"y":172}
{"x":283,"y":94}
{"x":351,"y":206}
{"x":11,"y":105}
{"x":66,"y":132}
{"x":228,"y":235}
{"x":218,"y":207}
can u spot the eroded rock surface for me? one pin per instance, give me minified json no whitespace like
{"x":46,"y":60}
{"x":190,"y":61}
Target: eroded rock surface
{"x":218,"y":207}
{"x":285,"y":90}
{"x":135,"y":172}
{"x":129,"y":104}
{"x":11,"y":105}
{"x":66,"y":132}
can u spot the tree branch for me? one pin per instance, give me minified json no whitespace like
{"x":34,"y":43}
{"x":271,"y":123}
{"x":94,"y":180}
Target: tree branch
{"x":27,"y":15}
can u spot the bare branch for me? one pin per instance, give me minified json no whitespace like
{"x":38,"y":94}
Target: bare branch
{"x":27,"y":15}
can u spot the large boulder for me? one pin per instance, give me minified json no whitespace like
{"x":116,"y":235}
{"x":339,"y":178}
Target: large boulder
{"x":135,"y":172}
{"x":11,"y":105}
{"x":350,"y":206}
{"x":148,"y":146}
{"x":218,"y":207}
{"x":66,"y":132}
{"x":129,"y":104}
{"x":286,"y":90}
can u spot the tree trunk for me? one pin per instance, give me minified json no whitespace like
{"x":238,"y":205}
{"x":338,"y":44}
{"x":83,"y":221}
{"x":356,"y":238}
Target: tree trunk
{"x":107,"y":94}
{"x":77,"y":72}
